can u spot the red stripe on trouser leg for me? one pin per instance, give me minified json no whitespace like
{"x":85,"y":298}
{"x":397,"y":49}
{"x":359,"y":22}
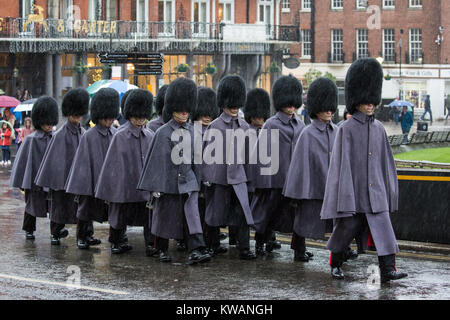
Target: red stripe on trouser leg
{"x":331,"y":256}
{"x":370,"y":242}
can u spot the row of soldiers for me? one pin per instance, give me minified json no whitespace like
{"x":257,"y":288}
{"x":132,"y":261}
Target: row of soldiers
{"x":128,"y":177}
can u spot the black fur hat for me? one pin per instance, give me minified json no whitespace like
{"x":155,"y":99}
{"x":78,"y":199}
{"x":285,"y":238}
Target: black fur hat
{"x":166,"y":116}
{"x":286,"y":92}
{"x":257,"y":105}
{"x":123,"y":99}
{"x":181,"y":95}
{"x":44,"y":112}
{"x":138,"y":104}
{"x":206,"y":104}
{"x":105,"y":105}
{"x":75,"y":103}
{"x":363,"y":83}
{"x":159,"y":103}
{"x":231,"y":92}
{"x":322,"y":96}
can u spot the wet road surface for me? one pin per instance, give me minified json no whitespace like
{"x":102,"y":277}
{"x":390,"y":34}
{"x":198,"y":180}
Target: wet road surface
{"x":37,"y":270}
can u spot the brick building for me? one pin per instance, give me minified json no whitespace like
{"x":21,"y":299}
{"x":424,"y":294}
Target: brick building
{"x":336,"y":32}
{"x":49,"y":46}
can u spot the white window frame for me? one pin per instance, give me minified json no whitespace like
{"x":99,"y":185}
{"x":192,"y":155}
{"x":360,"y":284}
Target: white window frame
{"x":108,"y":10}
{"x":362,"y":4}
{"x":225,"y":2}
{"x":207,"y":22}
{"x":304,"y":53}
{"x":258,"y":18}
{"x":306,"y":5}
{"x":413,"y":42}
{"x":359,"y":42}
{"x":334,"y":7}
{"x":92,"y":9}
{"x":388,"y":6}
{"x":391,"y":42}
{"x":168,"y":26}
{"x":285,"y":6}
{"x":333,"y":42}
{"x":415,"y":3}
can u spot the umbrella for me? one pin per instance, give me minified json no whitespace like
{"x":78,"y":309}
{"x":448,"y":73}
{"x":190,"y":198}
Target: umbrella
{"x":118,"y":85}
{"x":8,"y":102}
{"x":400,"y":103}
{"x":25,"y":106}
{"x":9,"y":124}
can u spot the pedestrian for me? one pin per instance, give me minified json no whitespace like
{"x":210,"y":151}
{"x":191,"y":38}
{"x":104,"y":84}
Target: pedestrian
{"x":57,"y":161}
{"x":26,"y":95}
{"x":159,"y":105}
{"x":88,"y":162}
{"x":44,"y":116}
{"x":447,"y":106}
{"x":26,"y":130}
{"x":19,"y":95}
{"x":427,"y":106}
{"x":205,"y":112}
{"x":5,"y":144}
{"x":407,"y":120}
{"x":226,"y":195}
{"x":256,"y":112}
{"x":121,"y":170}
{"x":174,"y":186}
{"x":11,"y":118}
{"x":306,"y":178}
{"x":271,"y":210}
{"x":362,"y":186}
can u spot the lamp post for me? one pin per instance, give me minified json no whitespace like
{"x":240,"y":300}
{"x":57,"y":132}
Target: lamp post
{"x":400,"y":94}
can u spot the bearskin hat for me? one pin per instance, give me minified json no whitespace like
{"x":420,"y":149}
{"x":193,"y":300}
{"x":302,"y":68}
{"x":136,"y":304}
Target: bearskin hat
{"x":166,"y":116}
{"x":159,"y":103}
{"x":44,"y":112}
{"x":286,"y":92}
{"x":231,"y":92}
{"x":257,"y":105}
{"x":138,"y":104}
{"x":206,"y":104}
{"x":123,"y":99}
{"x":363,"y":83}
{"x":322,"y":97}
{"x":105,"y":105}
{"x":75,"y":103}
{"x":181,"y":95}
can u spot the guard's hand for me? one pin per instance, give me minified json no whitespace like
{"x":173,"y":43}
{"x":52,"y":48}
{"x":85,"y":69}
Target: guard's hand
{"x":156,"y":194}
{"x":207,"y":183}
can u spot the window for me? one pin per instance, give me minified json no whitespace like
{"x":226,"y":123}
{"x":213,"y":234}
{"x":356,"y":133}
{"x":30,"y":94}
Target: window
{"x":415,"y":45}
{"x":361,"y":4}
{"x":362,"y":43}
{"x":95,"y":10}
{"x":388,"y":4}
{"x":27,"y":8}
{"x":226,"y":11}
{"x":415,"y":3}
{"x":265,"y":14}
{"x":285,"y":6}
{"x":139,"y":13}
{"x":200,"y":16}
{"x":337,"y":4}
{"x":337,"y":40}
{"x":111,"y":10}
{"x":306,"y":5}
{"x":306,"y":43}
{"x":389,"y":45}
{"x":199,"y":75}
{"x":166,"y":17}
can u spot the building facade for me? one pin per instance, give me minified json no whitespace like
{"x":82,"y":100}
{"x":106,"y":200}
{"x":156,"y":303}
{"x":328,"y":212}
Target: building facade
{"x":50,"y":46}
{"x":410,"y":37}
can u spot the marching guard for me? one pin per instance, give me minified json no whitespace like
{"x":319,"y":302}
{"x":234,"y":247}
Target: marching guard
{"x":44,"y":116}
{"x":159,"y":107}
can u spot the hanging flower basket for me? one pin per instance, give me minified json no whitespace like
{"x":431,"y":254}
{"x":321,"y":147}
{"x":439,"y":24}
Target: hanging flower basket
{"x":387,"y":77}
{"x":210,"y":68}
{"x":273,"y":68}
{"x":182,"y":67}
{"x":80,"y":68}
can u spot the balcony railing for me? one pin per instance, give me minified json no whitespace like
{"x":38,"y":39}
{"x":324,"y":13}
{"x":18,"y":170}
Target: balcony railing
{"x":132,"y":30}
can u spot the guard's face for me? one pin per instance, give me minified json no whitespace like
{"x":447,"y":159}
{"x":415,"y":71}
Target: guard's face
{"x":46,"y":128}
{"x":205,"y":120}
{"x":324,"y":116}
{"x":257,"y":122}
{"x":75,"y":120}
{"x":107,"y":123}
{"x":368,"y":109}
{"x":138,"y":122}
{"x":288,"y":110}
{"x":180,"y":117}
{"x":232,"y":111}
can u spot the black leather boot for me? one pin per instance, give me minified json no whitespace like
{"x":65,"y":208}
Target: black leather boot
{"x":198,"y":257}
{"x":93,"y":241}
{"x":165,"y":257}
{"x":82,"y":244}
{"x":387,"y":269}
{"x":337,"y":258}
{"x":29,"y":235}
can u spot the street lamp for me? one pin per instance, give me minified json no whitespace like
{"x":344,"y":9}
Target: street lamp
{"x":400,"y":45}
{"x":380,"y":60}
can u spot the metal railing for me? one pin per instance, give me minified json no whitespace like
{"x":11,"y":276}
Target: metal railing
{"x":18,"y":28}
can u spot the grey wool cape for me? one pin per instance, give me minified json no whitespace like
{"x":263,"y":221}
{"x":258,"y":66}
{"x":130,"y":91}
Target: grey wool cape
{"x":155,"y":124}
{"x":161,"y":174}
{"x":54,"y":170}
{"x":85,"y":171}
{"x":307,"y":176}
{"x":25,"y":168}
